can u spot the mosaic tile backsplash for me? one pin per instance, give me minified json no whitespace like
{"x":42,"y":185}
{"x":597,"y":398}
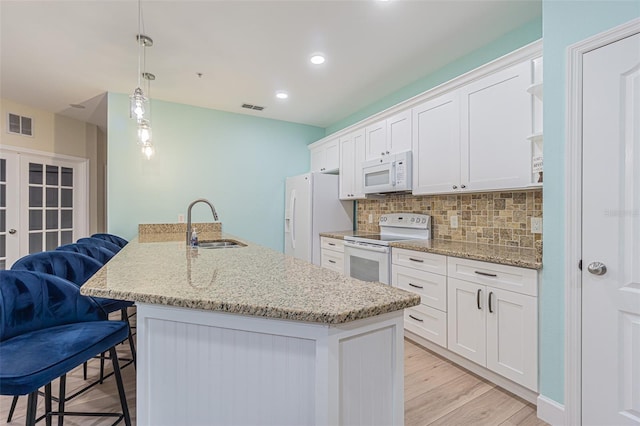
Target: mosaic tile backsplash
{"x":498,"y":218}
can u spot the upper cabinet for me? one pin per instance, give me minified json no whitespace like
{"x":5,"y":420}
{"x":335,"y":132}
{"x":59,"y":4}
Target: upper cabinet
{"x":325,"y":157}
{"x":352,"y":147}
{"x":476,"y":138}
{"x":388,"y":136}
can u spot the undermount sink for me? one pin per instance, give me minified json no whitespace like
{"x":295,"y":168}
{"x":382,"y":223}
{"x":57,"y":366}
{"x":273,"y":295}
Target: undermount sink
{"x":218,"y":244}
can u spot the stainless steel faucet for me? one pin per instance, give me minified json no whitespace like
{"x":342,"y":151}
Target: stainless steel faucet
{"x":199,"y":200}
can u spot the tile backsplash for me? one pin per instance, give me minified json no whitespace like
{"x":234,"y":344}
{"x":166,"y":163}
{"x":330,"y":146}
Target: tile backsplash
{"x":499,"y":218}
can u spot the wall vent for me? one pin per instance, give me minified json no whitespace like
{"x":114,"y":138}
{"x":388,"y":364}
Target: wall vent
{"x":19,"y":125}
{"x":256,"y":107}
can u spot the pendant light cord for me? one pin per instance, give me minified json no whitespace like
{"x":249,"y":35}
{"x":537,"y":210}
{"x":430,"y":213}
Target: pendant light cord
{"x":140,"y":41}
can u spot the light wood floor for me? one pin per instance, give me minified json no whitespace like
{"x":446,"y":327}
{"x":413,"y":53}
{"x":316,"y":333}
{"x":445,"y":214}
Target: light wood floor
{"x":437,"y":392}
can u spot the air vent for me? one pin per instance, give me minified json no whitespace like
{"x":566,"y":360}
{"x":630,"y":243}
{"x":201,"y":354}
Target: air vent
{"x":19,"y":125}
{"x":256,"y":107}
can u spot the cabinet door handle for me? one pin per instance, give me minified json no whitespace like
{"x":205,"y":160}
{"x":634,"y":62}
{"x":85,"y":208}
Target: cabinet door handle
{"x":486,"y":274}
{"x":463,"y":186}
{"x":387,"y":152}
{"x":416,"y":260}
{"x":417,"y":319}
{"x":490,"y":308}
{"x":455,"y":186}
{"x":416,"y":286}
{"x":331,"y":244}
{"x":332,"y":261}
{"x":478,"y":298}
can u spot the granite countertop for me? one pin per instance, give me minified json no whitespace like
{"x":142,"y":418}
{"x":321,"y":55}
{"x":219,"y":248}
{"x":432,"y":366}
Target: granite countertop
{"x":251,"y":280}
{"x":505,"y":255}
{"x":341,"y":234}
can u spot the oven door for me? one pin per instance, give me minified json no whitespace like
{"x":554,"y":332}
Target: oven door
{"x":367,"y":262}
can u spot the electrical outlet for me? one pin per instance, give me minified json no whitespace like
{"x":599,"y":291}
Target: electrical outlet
{"x":180,"y":218}
{"x":370,"y":218}
{"x":536,"y":225}
{"x":454,"y":221}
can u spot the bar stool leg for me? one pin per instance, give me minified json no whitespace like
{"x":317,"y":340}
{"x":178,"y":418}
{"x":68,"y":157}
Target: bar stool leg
{"x":32,"y":403}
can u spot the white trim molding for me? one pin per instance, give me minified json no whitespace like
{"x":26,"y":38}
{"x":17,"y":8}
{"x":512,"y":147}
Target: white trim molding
{"x":573,"y":219}
{"x":550,"y":411}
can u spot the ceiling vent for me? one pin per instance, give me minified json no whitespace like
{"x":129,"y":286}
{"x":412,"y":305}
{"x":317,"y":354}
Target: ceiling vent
{"x":256,"y":107}
{"x":19,"y":125}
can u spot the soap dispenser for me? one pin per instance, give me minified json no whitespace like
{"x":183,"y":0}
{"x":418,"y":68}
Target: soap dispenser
{"x":194,"y":237}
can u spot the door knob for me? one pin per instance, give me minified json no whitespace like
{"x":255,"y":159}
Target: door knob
{"x":12,"y":231}
{"x":597,"y":268}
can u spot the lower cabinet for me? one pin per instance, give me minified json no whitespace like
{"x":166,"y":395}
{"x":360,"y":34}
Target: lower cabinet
{"x":485,"y":312}
{"x":332,"y":254}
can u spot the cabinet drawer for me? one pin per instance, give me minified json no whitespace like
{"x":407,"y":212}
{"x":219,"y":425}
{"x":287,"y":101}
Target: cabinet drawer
{"x":512,"y":278}
{"x":432,"y":288}
{"x":332,"y":244}
{"x":332,"y":260}
{"x":428,"y":323}
{"x":422,"y":261}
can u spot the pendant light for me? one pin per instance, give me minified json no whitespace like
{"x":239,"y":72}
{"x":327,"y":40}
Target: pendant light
{"x":144,"y":125}
{"x":138,"y":102}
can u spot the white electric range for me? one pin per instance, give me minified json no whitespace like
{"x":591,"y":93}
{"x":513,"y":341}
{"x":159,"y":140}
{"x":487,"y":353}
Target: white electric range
{"x":368,"y":257}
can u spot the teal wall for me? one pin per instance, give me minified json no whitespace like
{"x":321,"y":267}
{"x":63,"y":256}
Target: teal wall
{"x":238,"y":162}
{"x":509,"y":42}
{"x":564,"y":23}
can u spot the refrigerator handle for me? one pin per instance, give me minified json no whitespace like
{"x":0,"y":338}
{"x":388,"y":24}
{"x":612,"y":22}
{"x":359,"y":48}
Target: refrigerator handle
{"x":293,"y":219}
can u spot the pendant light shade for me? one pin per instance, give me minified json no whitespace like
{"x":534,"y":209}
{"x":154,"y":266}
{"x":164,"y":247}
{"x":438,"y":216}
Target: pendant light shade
{"x":144,"y":133}
{"x":139,"y":105}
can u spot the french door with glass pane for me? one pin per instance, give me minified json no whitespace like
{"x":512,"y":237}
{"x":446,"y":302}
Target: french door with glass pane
{"x":45,"y":206}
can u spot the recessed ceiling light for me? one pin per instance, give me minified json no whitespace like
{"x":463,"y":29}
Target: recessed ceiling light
{"x":282,"y":95}
{"x":317,"y":59}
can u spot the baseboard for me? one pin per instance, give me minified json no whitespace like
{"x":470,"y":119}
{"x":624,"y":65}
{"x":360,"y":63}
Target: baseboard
{"x":550,"y":411}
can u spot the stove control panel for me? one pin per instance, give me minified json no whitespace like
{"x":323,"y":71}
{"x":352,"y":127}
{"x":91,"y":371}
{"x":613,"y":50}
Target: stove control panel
{"x":405,"y":220}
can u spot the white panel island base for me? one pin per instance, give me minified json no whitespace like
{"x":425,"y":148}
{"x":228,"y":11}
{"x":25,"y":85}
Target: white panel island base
{"x":200,"y":367}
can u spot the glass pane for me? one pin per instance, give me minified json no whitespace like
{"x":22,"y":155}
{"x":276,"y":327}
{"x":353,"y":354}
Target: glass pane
{"x":3,"y":170}
{"x":35,"y":196}
{"x":35,"y":220}
{"x":67,"y":176}
{"x":364,"y":269}
{"x":52,"y":219}
{"x":52,"y":197}
{"x":35,"y":243}
{"x":3,"y":246}
{"x":52,"y":175}
{"x":35,"y":173}
{"x":66,"y":237}
{"x":376,"y":178}
{"x":66,"y":219}
{"x":66,"y":196}
{"x":3,"y":265}
{"x":3,"y":195}
{"x":52,"y":240}
{"x":3,"y":220}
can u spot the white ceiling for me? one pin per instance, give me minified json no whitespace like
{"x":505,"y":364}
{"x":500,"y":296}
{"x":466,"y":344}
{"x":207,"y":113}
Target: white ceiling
{"x":55,"y":53}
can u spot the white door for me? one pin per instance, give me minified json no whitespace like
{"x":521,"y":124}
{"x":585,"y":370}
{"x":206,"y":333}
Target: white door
{"x":43,"y":203}
{"x":297,"y":225}
{"x":399,"y":132}
{"x":376,"y":140}
{"x":611,"y":235}
{"x":9,"y":209}
{"x":347,"y":167}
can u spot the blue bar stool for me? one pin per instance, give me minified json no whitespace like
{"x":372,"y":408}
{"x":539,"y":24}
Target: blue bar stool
{"x":100,"y":243}
{"x":48,"y":328}
{"x":119,"y":241}
{"x":98,"y":253}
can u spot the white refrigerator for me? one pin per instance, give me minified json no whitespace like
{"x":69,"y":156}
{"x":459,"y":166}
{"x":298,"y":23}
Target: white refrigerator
{"x":312,"y":205}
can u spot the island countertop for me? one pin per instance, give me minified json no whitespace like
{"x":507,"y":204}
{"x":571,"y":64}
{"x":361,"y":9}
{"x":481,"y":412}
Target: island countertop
{"x":251,"y":280}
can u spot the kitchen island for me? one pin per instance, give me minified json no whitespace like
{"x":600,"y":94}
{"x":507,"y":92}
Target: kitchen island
{"x":250,"y":336}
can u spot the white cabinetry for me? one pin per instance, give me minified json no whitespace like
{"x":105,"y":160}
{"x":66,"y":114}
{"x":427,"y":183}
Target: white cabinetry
{"x":493,"y":317}
{"x":425,"y":275}
{"x":475,"y":138}
{"x":325,"y":157}
{"x":496,"y":122}
{"x":352,"y":155}
{"x":388,"y":136}
{"x":332,"y":254}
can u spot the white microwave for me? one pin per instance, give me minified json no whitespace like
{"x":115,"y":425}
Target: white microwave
{"x":389,"y":173}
